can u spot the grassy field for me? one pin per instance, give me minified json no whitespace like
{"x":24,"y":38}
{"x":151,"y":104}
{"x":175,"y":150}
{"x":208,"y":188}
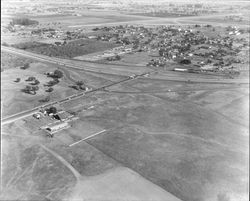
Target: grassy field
{"x":192,"y":142}
{"x":30,"y":173}
{"x":178,"y":143}
{"x":9,"y":61}
{"x":86,"y":18}
{"x":163,"y":139}
{"x":14,"y":100}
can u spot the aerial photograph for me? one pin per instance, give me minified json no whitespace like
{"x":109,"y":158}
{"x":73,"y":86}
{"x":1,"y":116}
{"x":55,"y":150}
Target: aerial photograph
{"x":125,"y":100}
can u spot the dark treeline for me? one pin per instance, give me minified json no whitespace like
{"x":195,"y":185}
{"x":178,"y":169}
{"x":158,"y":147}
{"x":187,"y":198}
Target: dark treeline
{"x":23,"y":21}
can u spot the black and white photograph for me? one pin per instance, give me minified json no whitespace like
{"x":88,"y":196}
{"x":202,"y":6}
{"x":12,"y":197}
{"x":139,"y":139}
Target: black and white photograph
{"x":125,"y":100}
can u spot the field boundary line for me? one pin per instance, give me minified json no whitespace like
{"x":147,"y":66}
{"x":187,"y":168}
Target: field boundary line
{"x":95,"y":134}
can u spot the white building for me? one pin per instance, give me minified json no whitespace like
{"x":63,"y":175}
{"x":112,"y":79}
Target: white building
{"x":57,"y":127}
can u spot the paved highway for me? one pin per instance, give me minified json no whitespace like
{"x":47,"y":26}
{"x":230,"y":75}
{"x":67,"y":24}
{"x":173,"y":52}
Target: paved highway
{"x":105,"y":69}
{"x":79,"y":65}
{"x":121,"y":70}
{"x":30,"y":112}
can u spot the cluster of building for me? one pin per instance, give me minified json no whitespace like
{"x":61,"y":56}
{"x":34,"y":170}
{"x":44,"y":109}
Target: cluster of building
{"x":179,"y":9}
{"x":110,"y":54}
{"x":181,"y":45}
{"x":53,"y":121}
{"x":236,"y":18}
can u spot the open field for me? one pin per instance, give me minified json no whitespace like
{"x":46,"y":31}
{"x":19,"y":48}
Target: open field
{"x":85,"y":18}
{"x":30,"y":173}
{"x":178,"y":144}
{"x":175,"y":139}
{"x":12,"y":61}
{"x":123,"y":130}
{"x":120,"y":182}
{"x":183,"y":141}
{"x":16,"y":101}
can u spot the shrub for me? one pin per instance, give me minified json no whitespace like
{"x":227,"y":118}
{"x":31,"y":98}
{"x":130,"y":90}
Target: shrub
{"x":5,"y":44}
{"x":25,"y":66}
{"x":58,"y":74}
{"x":79,"y":83}
{"x":47,"y":99}
{"x":36,"y":82}
{"x":29,"y":90}
{"x":50,"y":89}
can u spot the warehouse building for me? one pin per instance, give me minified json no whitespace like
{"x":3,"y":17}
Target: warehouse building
{"x":57,"y":127}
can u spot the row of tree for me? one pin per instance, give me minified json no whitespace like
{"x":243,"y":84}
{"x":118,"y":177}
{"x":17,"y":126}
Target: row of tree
{"x":23,"y":22}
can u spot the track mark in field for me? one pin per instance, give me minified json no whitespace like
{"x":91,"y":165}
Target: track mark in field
{"x":64,"y":162}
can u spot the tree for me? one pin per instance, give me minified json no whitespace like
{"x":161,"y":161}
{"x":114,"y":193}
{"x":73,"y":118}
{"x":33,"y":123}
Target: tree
{"x":31,"y":78}
{"x":161,"y":52}
{"x":23,"y":21}
{"x":25,"y":66}
{"x":52,"y":82}
{"x":58,"y":43}
{"x":58,"y":74}
{"x":79,"y":83}
{"x":17,"y":80}
{"x":5,"y":44}
{"x":28,"y":89}
{"x":34,"y":88}
{"x":35,"y":82}
{"x":74,"y":87}
{"x":47,"y":99}
{"x":50,"y":89}
{"x":52,"y":110}
{"x":117,"y":57}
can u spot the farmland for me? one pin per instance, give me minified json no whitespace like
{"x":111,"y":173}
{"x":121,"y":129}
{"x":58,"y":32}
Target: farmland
{"x":125,"y":100}
{"x":84,"y":18}
{"x":156,"y":146}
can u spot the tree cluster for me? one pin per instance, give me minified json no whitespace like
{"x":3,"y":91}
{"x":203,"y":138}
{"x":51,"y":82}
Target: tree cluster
{"x":52,"y":82}
{"x":23,"y":21}
{"x":25,"y":66}
{"x":30,"y":89}
{"x":46,"y":99}
{"x":80,"y":85}
{"x":114,"y":58}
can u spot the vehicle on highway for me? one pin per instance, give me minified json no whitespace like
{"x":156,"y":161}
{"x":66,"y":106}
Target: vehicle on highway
{"x":132,"y":76}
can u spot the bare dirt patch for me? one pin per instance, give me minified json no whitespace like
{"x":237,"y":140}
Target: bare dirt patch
{"x":119,"y":184}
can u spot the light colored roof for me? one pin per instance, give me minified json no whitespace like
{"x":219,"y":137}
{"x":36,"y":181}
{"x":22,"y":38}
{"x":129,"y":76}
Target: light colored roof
{"x":58,"y":125}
